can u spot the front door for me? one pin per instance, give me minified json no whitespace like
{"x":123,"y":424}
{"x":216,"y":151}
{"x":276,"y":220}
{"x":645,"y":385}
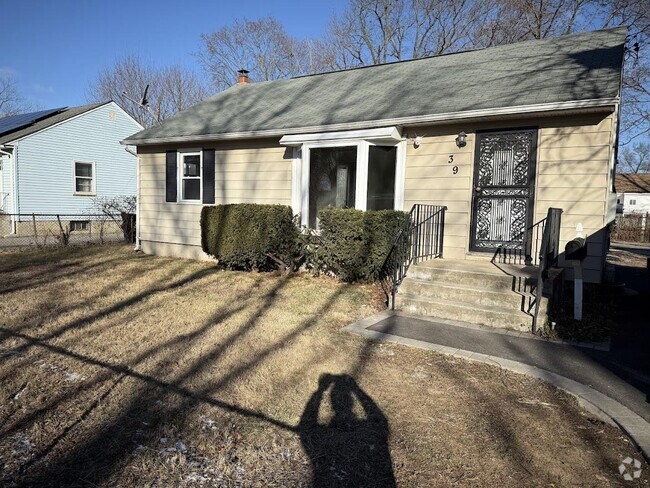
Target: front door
{"x":504,"y":184}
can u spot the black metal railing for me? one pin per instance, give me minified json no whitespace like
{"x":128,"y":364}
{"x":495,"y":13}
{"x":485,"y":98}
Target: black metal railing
{"x":421,"y":237}
{"x":537,"y":246}
{"x":524,"y":248}
{"x":548,"y":254}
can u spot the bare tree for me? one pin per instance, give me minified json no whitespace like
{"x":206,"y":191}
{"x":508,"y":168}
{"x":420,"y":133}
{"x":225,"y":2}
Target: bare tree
{"x":11,"y":101}
{"x":636,"y":81}
{"x":517,"y":20}
{"x":171,"y":89}
{"x":379,"y":31}
{"x":261,"y":46}
{"x":636,"y":160}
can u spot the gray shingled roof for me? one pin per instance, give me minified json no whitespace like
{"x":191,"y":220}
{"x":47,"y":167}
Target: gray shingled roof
{"x":578,"y":67}
{"x":66,"y":114}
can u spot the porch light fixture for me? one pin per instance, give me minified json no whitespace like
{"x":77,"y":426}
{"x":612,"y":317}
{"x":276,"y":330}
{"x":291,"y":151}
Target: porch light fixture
{"x":417,"y":140}
{"x":461,"y":139}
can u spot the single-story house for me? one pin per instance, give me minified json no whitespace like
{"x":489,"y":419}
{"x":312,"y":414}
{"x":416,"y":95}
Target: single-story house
{"x":633,"y":193}
{"x":497,"y":135}
{"x":59,"y":160}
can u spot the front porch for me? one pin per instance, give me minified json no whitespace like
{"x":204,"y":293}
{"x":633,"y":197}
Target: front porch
{"x":509,"y":287}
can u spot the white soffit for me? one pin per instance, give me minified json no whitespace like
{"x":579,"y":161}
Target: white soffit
{"x":382,"y":134}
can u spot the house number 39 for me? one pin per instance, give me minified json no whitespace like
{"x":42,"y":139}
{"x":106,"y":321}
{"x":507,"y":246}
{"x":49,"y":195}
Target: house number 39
{"x":451,"y":160}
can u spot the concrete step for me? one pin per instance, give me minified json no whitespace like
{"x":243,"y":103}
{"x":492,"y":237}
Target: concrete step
{"x":506,"y":299}
{"x":476,"y":279}
{"x":463,"y":311}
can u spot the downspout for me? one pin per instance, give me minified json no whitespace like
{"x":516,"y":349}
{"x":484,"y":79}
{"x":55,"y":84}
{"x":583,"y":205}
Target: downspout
{"x":137,"y":197}
{"x":14,"y":172}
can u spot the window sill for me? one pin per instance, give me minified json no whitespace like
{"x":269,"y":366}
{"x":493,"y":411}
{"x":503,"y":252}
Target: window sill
{"x":190,"y":202}
{"x":84,"y":194}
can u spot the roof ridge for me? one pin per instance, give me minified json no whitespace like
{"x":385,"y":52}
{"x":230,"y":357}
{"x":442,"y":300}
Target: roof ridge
{"x":433,"y":56}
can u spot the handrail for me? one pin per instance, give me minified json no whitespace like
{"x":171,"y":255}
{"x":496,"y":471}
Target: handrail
{"x":549,"y":252}
{"x":531,"y":252}
{"x":421,"y":237}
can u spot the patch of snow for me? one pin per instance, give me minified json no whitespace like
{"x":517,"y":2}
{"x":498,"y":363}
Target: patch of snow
{"x":20,"y":392}
{"x":197,"y":478}
{"x":73,"y":377}
{"x":207,"y":423}
{"x":21,"y":443}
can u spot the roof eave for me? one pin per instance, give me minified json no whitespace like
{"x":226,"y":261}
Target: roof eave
{"x":577,"y":106}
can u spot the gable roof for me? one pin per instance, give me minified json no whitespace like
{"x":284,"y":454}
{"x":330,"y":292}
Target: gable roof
{"x":582,"y":68}
{"x":632,"y":182}
{"x":33,"y":125}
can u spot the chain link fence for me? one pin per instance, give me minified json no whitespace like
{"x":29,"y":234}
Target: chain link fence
{"x":634,"y":227}
{"x":40,"y":230}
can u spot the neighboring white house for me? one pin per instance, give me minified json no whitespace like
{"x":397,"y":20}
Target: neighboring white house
{"x":633,"y":193}
{"x":60,"y":160}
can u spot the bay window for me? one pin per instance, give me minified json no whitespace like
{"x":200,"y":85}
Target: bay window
{"x":354,"y":169}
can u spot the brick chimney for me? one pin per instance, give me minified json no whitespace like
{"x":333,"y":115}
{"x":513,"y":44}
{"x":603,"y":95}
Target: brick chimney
{"x":242,"y":77}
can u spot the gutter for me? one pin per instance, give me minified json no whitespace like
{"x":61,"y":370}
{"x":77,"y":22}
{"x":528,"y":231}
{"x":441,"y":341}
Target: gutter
{"x":580,"y":106}
{"x":14,"y":171}
{"x":137,"y":197}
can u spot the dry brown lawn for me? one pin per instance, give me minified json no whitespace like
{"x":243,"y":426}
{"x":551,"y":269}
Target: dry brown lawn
{"x":121,"y":369}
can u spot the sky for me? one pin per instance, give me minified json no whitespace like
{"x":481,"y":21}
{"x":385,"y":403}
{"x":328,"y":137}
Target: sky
{"x":55,"y":48}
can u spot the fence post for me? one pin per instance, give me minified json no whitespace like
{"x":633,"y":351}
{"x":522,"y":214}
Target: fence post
{"x":35,"y":232}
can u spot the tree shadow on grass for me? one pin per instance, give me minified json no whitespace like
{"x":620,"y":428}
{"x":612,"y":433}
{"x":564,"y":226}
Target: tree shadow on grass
{"x":96,"y":447}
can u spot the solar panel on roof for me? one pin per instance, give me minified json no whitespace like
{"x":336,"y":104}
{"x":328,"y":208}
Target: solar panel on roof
{"x":14,"y":122}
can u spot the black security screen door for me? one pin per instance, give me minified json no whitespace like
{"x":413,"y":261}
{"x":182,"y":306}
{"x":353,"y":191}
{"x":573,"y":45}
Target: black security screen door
{"x":504,"y":188}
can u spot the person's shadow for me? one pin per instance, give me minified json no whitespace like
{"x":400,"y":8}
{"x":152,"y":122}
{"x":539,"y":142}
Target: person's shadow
{"x":349,"y":451}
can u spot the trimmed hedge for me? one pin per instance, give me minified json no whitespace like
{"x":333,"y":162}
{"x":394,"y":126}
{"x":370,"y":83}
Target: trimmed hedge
{"x":354,"y":244}
{"x":250,"y":236}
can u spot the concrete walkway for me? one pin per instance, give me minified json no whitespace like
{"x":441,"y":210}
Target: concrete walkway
{"x":587,"y":373}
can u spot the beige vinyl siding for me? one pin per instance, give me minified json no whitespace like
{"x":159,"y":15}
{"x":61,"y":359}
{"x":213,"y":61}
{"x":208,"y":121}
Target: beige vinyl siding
{"x":250,"y":172}
{"x":429,"y":179}
{"x":572,"y":172}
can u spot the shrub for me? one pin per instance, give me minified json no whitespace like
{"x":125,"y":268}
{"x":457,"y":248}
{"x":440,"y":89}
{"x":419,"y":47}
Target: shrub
{"x":250,"y":236}
{"x":125,"y":207}
{"x":354,"y":244}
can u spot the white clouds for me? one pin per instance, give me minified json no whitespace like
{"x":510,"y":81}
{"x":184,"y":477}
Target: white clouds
{"x":38,"y":88}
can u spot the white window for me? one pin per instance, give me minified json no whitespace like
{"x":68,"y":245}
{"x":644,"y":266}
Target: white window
{"x":84,"y":178}
{"x":190,"y":180}
{"x":79,"y":225}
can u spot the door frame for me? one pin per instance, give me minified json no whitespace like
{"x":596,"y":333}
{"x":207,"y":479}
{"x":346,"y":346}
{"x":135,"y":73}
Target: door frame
{"x":532,"y":173}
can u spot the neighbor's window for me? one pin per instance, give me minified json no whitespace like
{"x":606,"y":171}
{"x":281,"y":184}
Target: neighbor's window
{"x":332,"y":179}
{"x":84,"y":178}
{"x":190,"y":176}
{"x":632,"y":202}
{"x":79,"y":225}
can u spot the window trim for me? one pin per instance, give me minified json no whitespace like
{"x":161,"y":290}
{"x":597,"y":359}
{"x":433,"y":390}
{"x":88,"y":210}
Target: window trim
{"x":179,"y":163}
{"x":301,"y":169}
{"x":82,"y":223}
{"x":93,"y":179}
